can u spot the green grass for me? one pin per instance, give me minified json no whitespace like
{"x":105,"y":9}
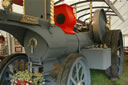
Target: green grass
{"x":99,"y":77}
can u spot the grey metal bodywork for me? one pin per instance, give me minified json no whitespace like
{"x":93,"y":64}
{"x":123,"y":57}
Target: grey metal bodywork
{"x":98,"y":58}
{"x":37,"y":8}
{"x":53,"y":45}
{"x":50,"y":45}
{"x":47,"y":33}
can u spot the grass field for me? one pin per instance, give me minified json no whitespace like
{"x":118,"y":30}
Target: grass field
{"x":99,"y":77}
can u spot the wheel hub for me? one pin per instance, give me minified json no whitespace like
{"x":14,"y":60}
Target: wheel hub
{"x":80,"y":83}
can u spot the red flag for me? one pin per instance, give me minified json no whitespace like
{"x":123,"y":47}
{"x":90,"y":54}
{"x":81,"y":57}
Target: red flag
{"x":18,"y":2}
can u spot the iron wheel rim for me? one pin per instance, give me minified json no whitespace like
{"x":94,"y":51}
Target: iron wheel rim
{"x":10,"y":69}
{"x":120,"y":55}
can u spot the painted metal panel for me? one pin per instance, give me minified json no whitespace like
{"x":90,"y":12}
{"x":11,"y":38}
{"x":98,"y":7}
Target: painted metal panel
{"x":98,"y":58}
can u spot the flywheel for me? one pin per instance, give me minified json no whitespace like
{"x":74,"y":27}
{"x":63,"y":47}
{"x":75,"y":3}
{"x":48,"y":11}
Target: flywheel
{"x":99,"y":25}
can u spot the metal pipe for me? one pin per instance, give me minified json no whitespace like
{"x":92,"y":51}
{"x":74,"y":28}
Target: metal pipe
{"x":75,"y":8}
{"x":109,"y":22}
{"x":23,"y":7}
{"x":90,"y":12}
{"x":45,"y":9}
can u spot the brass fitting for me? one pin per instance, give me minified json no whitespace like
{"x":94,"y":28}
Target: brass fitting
{"x":52,"y":22}
{"x":6,"y":3}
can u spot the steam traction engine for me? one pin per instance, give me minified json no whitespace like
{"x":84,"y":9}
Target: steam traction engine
{"x":61,"y":45}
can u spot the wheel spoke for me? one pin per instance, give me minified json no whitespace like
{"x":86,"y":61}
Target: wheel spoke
{"x":11,"y":68}
{"x":74,"y":75}
{"x":73,"y":81}
{"x":80,"y":66}
{"x":9,"y":72}
{"x":82,"y":75}
{"x":18,"y":64}
{"x":77,"y":72}
{"x":24,"y":66}
{"x":82,"y":81}
{"x":15,"y":68}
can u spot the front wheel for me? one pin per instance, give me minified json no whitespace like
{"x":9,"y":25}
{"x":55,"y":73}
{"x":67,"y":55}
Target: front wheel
{"x":11,"y":65}
{"x":75,"y":71}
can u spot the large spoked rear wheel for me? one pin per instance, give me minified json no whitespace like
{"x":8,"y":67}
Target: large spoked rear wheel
{"x":75,"y":71}
{"x":11,"y":65}
{"x":115,"y":42}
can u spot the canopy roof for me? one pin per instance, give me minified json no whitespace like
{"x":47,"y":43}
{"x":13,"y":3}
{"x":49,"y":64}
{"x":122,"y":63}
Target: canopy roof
{"x":83,"y":11}
{"x":83,"y":7}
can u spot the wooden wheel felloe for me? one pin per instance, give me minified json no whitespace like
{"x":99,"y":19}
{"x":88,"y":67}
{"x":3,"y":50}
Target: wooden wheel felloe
{"x":75,"y":71}
{"x":115,"y":42}
{"x":10,"y":65}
